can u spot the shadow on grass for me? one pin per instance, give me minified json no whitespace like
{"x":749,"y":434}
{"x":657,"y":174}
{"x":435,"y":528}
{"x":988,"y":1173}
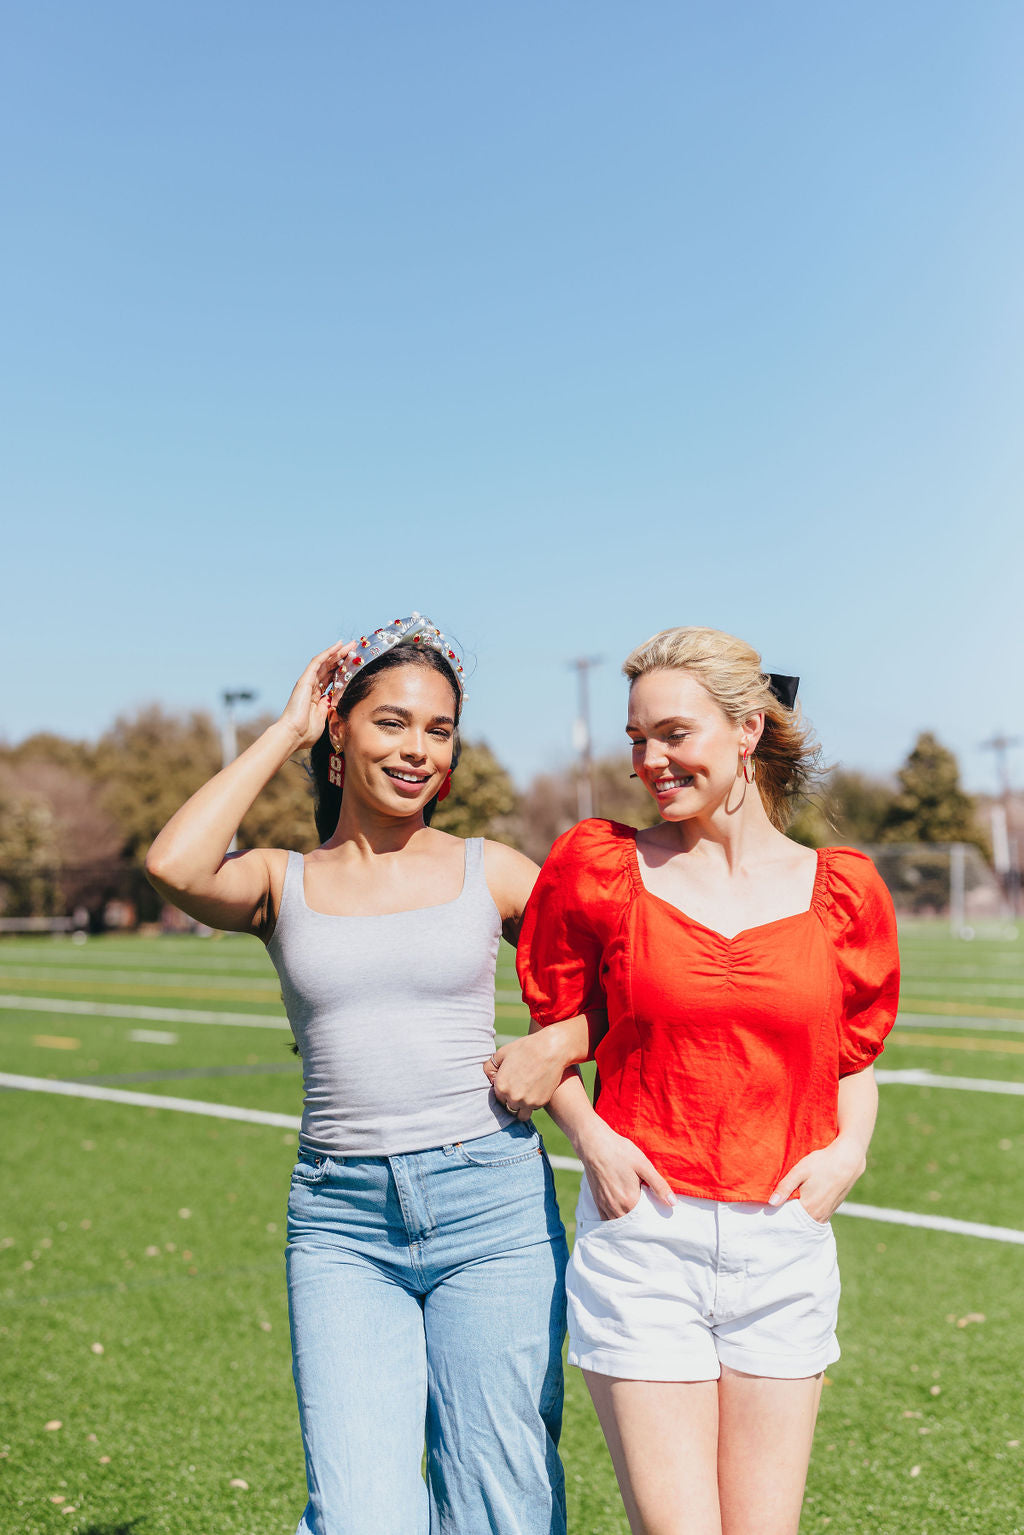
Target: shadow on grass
{"x":112,"y":1529}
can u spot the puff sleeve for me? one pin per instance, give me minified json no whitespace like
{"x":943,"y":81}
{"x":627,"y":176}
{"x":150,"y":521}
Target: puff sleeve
{"x":867,"y":957}
{"x":575,"y":905}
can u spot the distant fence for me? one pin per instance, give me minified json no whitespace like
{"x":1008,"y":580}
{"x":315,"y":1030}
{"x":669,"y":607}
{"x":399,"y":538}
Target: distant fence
{"x":37,"y":924}
{"x":941,"y":879}
{"x":88,"y":897}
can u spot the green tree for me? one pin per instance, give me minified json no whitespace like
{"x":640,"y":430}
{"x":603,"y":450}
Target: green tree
{"x":148,"y":764}
{"x":482,"y":801}
{"x":849,"y":807}
{"x":28,"y":853}
{"x":930,"y":805}
{"x":282,"y":815}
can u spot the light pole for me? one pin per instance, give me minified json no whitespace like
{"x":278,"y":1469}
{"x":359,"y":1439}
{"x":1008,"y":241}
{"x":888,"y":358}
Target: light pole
{"x":581,"y":738}
{"x":1004,"y":844}
{"x":229,"y":735}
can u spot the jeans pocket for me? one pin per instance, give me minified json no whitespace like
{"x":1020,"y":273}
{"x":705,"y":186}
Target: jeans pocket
{"x":518,"y":1142}
{"x":310,"y":1168}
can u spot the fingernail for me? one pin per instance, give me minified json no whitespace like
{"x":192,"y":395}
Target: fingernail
{"x":776,"y":1199}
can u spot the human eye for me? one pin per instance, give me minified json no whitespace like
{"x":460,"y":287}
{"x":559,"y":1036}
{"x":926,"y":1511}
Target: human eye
{"x":678,"y":735}
{"x":441,"y":733}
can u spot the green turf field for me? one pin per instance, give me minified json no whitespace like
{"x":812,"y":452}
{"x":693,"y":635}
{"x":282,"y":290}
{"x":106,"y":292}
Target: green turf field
{"x":146,"y":1384}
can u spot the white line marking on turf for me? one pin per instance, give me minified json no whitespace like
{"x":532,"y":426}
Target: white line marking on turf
{"x":564,"y":1164}
{"x":934,"y":1223}
{"x":151,"y":1037}
{"x":131,"y":1010}
{"x":917,"y":1077}
{"x":149,"y":1100}
{"x":949,"y":1021}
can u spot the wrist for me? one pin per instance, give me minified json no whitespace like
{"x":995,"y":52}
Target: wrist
{"x":586,"y":1136}
{"x":853,"y":1148}
{"x":556,"y":1042}
{"x":286,"y":738}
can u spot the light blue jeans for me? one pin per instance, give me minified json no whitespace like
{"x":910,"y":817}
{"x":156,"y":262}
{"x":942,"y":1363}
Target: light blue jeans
{"x":427,"y":1303}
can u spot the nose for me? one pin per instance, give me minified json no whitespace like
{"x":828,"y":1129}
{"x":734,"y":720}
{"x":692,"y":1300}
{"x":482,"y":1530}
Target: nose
{"x":414,"y":747}
{"x":654,"y":754}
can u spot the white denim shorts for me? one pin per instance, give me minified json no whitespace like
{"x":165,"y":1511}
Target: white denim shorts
{"x":673,"y":1293}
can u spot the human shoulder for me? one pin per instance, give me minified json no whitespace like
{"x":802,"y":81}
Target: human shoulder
{"x":510,"y":878}
{"x":608,"y":843}
{"x":854,"y":890}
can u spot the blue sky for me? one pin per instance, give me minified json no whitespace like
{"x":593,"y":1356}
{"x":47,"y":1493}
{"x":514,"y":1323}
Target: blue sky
{"x":560,"y":323}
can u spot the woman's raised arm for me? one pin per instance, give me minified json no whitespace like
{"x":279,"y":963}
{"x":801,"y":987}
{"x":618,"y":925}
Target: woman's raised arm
{"x":189,"y":862}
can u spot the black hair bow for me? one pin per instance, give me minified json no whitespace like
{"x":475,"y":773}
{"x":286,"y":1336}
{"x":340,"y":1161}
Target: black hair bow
{"x":784,"y":688}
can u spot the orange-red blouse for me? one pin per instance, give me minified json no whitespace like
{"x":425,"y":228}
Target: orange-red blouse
{"x":723,"y":1056}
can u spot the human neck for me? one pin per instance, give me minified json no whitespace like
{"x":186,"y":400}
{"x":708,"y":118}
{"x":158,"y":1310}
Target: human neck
{"x":368,"y":831}
{"x":733,"y":833}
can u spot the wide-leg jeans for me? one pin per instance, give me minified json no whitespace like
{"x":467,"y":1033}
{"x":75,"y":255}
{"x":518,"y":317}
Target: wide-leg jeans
{"x":427,"y":1303}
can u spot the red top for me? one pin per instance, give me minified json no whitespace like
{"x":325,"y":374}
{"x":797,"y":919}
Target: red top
{"x":723,"y":1055}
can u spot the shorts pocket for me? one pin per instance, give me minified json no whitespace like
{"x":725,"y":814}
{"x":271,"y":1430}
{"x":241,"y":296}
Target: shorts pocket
{"x":518,"y":1142}
{"x":589,"y":1217}
{"x":805,"y":1217}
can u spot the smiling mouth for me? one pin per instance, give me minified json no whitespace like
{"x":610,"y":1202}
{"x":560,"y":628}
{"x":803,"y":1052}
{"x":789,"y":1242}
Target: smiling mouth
{"x":410,"y":778}
{"x":666,"y":785}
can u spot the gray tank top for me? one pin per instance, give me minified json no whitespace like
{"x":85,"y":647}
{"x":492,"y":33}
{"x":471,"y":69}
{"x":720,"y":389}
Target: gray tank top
{"x":394,"y":1016}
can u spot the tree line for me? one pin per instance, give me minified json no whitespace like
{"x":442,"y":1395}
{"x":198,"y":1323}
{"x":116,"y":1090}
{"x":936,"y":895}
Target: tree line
{"x":76,"y":818}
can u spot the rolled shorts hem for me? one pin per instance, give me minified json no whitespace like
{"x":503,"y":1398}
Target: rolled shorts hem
{"x":749,"y":1361}
{"x":642,"y":1367}
{"x":777,"y":1366}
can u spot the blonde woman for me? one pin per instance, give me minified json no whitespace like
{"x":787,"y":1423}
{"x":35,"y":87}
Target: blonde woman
{"x":749,"y":983}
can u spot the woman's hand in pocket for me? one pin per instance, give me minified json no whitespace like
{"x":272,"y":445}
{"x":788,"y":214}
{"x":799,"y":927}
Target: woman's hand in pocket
{"x":617,"y":1171}
{"x":823,"y":1178}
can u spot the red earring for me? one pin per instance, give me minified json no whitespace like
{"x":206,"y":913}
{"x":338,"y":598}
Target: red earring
{"x":336,"y":770}
{"x":445,"y":788}
{"x":747,"y":765}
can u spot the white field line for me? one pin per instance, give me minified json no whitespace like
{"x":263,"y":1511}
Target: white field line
{"x":63,"y":1005}
{"x":149,"y":1100}
{"x":951,"y":1021}
{"x":565,"y":1164}
{"x":914,"y":1077}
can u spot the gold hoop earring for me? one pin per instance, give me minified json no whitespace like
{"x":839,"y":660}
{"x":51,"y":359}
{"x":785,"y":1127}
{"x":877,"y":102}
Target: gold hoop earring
{"x":746,"y":763}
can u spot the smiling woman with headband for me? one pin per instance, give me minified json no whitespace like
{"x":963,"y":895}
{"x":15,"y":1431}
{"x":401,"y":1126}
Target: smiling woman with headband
{"x":425,"y":1252}
{"x":748,"y":983}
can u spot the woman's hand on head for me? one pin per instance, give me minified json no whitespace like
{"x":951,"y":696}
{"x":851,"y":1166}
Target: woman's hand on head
{"x":305,"y":713}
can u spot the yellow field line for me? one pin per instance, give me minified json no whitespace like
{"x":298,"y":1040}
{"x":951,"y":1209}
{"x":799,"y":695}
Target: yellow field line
{"x":958,"y":1042}
{"x":912,"y":1004}
{"x":121,"y":988}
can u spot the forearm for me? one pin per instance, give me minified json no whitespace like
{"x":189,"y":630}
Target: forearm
{"x":574,"y":1114}
{"x":858,"y":1109}
{"x":567,"y":1043}
{"x":190,"y":849}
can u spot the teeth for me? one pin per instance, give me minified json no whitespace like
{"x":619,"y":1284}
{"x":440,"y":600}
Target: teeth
{"x":405,"y":777}
{"x":674,"y":783}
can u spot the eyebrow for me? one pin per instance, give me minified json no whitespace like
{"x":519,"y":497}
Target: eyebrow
{"x":673,"y":719}
{"x":406,"y":714}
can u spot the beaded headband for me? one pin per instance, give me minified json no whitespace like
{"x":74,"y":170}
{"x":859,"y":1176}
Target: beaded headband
{"x":414,"y":630}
